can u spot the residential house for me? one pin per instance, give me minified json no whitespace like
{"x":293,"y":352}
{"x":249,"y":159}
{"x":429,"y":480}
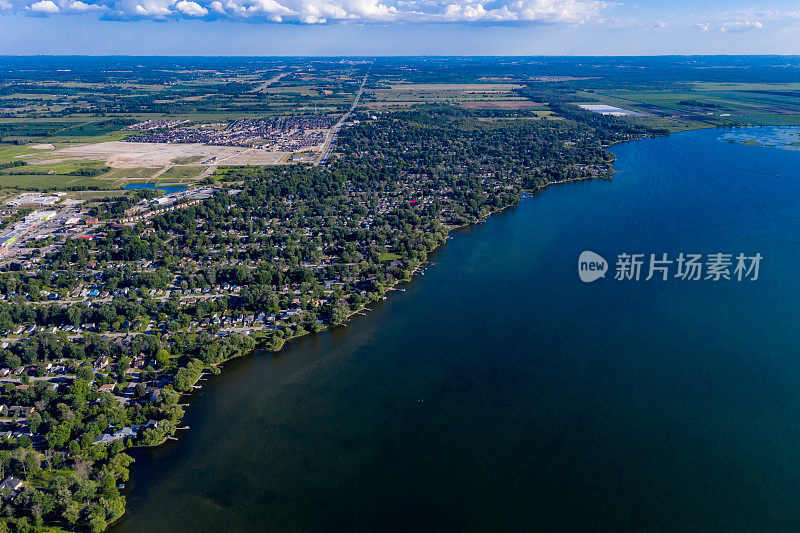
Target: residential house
{"x":11,"y":484}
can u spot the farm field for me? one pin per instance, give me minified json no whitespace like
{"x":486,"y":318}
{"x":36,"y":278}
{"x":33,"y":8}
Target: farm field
{"x":501,"y":104}
{"x":704,"y":104}
{"x":50,"y":181}
{"x":387,"y":94}
{"x":71,"y":123}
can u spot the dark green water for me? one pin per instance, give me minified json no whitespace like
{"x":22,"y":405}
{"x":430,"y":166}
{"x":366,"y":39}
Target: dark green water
{"x":549,"y":404}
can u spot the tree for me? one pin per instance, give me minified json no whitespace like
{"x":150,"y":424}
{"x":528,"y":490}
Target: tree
{"x":22,"y":525}
{"x":114,"y":507}
{"x":97,"y":520}
{"x":108,"y":484}
{"x":74,"y":447}
{"x":72,"y":512}
{"x":34,"y":421}
{"x":339,"y":314}
{"x":85,"y":372}
{"x":60,"y":434}
{"x":32,"y":464}
{"x":163,"y":358}
{"x":186,"y":376}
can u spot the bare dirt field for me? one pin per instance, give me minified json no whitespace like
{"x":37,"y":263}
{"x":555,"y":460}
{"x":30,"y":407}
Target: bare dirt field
{"x":390,"y":104}
{"x":136,"y":155}
{"x":468,"y":87}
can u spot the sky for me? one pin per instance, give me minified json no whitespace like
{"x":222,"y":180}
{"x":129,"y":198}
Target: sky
{"x":398,"y":27}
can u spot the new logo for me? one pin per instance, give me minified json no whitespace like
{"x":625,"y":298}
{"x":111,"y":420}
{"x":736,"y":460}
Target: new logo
{"x":591,"y":266}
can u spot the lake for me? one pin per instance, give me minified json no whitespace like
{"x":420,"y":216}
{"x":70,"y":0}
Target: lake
{"x":547,"y":403}
{"x":166,"y":188}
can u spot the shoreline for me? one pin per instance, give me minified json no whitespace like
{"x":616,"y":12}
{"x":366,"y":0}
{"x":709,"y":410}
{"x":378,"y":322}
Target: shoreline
{"x":406,"y":379}
{"x":366,"y":307}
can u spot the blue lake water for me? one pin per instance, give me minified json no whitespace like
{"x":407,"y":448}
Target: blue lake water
{"x":167,"y":188}
{"x":549,"y":404}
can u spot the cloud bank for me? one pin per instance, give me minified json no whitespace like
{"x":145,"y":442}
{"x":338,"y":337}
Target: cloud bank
{"x":323,"y":11}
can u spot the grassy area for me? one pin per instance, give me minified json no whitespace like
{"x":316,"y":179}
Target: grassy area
{"x":183,"y":172}
{"x":673,"y":125}
{"x":111,"y":136}
{"x":9,"y":153}
{"x":51,"y":181}
{"x":188,"y":160}
{"x":60,"y":167}
{"x":703,"y":105}
{"x":404,"y":93}
{"x":77,"y":131}
{"x":769,"y":119}
{"x":716,"y":86}
{"x":138,"y":173}
{"x":54,"y":175}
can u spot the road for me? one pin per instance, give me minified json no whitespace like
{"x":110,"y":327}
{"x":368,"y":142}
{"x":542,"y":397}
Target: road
{"x":269,"y":82}
{"x":330,"y":141}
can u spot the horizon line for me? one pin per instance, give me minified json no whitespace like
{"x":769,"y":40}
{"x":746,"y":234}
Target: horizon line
{"x":362,"y":56}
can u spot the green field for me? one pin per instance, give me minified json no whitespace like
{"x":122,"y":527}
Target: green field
{"x":60,"y":167}
{"x":138,"y":173}
{"x":702,"y":104}
{"x":9,"y":153}
{"x":182,"y":172}
{"x":52,"y":181}
{"x":188,"y":160}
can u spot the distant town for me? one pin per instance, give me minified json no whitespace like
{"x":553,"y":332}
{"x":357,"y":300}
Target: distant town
{"x":286,"y":133}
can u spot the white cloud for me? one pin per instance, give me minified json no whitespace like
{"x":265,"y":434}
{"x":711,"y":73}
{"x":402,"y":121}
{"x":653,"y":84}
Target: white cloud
{"x":157,"y":9}
{"x":325,"y":11}
{"x":45,"y":7}
{"x":4,"y":4}
{"x":567,"y":11}
{"x":740,"y":26}
{"x":191,"y":9}
{"x":269,"y":7}
{"x":370,"y":9}
{"x":82,"y":7}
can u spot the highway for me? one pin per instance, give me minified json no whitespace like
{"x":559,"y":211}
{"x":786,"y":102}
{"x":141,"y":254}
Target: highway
{"x":330,"y":141}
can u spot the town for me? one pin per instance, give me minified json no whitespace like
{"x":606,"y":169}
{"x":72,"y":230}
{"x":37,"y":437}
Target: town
{"x":283,"y":133}
{"x":117,"y":304}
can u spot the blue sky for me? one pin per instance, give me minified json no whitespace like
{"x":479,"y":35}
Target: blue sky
{"x":398,"y":27}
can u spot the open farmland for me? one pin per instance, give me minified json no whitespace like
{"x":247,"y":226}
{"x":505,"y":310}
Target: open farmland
{"x":49,"y":181}
{"x":411,"y":93}
{"x":501,"y":104}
